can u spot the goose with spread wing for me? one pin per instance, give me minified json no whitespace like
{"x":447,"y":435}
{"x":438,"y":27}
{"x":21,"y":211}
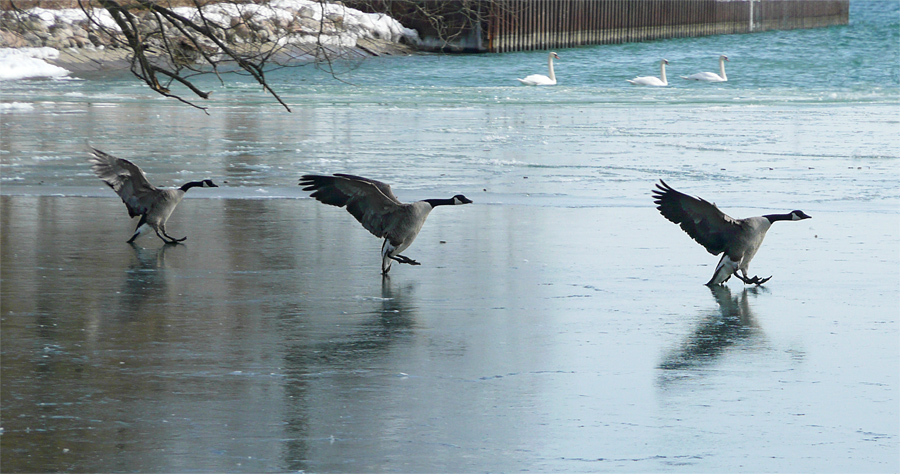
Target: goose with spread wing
{"x":153,"y":204}
{"x":374,"y":205}
{"x":736,"y":239}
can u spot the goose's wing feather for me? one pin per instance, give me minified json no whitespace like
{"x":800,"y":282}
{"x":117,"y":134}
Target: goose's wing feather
{"x":371,"y":202}
{"x":702,"y":220}
{"x":127,"y":180}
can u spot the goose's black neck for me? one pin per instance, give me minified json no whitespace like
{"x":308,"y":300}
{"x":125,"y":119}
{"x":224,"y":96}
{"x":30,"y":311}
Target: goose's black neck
{"x":440,"y":202}
{"x":192,"y":184}
{"x":206,"y":183}
{"x":779,"y":217}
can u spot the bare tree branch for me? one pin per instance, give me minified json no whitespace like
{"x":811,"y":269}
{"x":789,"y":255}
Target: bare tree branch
{"x":168,"y":43}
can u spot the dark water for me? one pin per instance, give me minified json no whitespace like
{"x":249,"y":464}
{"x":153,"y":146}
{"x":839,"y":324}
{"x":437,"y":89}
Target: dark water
{"x":557,"y":324}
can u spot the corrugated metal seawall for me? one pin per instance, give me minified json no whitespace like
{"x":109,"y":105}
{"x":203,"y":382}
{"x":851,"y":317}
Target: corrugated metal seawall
{"x":516,"y":25}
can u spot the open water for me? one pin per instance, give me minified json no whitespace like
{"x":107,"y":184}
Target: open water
{"x":557,"y":324}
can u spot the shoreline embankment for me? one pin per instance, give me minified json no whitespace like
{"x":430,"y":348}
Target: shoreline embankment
{"x":90,"y":40}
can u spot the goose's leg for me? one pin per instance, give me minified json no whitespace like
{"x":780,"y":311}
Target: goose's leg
{"x":742,"y":278}
{"x":137,"y":229}
{"x":173,"y":239}
{"x":386,"y":249}
{"x":164,"y":239}
{"x":712,"y":281}
{"x":167,"y":239}
{"x":405,"y":259}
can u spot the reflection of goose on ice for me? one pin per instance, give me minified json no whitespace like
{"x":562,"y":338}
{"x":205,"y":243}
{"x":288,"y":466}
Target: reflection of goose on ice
{"x":146,"y":282}
{"x":732,"y":324}
{"x":380,"y":325}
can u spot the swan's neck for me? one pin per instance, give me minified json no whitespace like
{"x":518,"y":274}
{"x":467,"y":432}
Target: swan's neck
{"x":550,"y":67}
{"x":722,"y":68}
{"x":662,"y":73}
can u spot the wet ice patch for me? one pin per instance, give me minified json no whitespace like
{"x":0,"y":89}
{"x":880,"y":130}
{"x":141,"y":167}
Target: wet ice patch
{"x":495,"y":138}
{"x":12,"y":107}
{"x":251,"y":167}
{"x":50,"y":158}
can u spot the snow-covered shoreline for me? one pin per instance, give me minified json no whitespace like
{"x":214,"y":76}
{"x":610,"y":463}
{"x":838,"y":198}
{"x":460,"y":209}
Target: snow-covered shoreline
{"x":51,"y":43}
{"x":29,"y":62}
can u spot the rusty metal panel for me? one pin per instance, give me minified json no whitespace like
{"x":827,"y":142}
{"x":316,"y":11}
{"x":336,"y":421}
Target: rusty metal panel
{"x":517,"y":25}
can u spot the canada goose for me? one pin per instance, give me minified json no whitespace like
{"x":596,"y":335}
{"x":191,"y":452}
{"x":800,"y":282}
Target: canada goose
{"x":375,"y":207}
{"x":736,"y":239}
{"x":154,"y":205}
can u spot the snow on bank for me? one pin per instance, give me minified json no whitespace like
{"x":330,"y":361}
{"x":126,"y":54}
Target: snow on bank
{"x":356,"y":24}
{"x":284,"y":22}
{"x":28,"y":62}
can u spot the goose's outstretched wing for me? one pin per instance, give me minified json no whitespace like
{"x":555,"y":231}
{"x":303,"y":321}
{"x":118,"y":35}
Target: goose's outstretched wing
{"x":371,"y":202}
{"x":702,"y":220}
{"x":127,"y":180}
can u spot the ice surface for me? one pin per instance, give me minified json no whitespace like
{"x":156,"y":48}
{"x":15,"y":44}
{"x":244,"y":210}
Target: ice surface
{"x":565,"y":339}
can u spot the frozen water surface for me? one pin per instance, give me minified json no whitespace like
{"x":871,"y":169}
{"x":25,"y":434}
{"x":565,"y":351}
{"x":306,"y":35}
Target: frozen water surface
{"x":557,"y":324}
{"x":270,"y":342}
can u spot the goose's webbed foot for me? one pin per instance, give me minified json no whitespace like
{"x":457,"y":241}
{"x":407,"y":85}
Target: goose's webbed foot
{"x":756,"y":280}
{"x":404,"y":259}
{"x":760,"y":281}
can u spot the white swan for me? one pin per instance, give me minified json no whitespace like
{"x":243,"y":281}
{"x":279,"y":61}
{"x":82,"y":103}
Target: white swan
{"x":652,"y":80}
{"x":711,"y":76}
{"x":540,"y":79}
